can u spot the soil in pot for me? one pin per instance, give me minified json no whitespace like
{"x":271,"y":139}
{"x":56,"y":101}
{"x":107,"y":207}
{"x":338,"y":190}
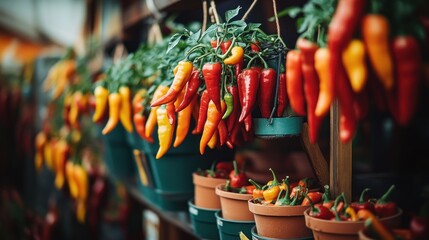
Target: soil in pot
{"x":234,"y":205}
{"x":336,"y":230}
{"x":205,"y":194}
{"x":284,"y":222}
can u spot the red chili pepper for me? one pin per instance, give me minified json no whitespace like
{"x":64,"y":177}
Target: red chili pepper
{"x":346,"y":100}
{"x":224,"y":46}
{"x":191,"y":90}
{"x":248,"y":122}
{"x":254,"y":46}
{"x":294,"y":82}
{"x":320,"y":212}
{"x":238,"y":178}
{"x":384,"y":207}
{"x":171,"y":113}
{"x":227,"y":166}
{"x":233,"y":117}
{"x":282,"y":98}
{"x":362,"y":203}
{"x":223,"y":133}
{"x":202,"y":115}
{"x":406,"y":56}
{"x":267,"y":85}
{"x":239,"y":68}
{"x":212,"y":74}
{"x":236,"y":135}
{"x":315,"y":197}
{"x":311,"y":85}
{"x":248,"y":84}
{"x":361,"y":104}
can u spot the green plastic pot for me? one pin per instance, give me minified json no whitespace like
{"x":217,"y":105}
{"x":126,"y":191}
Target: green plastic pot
{"x":255,"y":236}
{"x":118,"y":134}
{"x":230,"y":230}
{"x":203,"y":221}
{"x":119,"y":160}
{"x":280,"y":127}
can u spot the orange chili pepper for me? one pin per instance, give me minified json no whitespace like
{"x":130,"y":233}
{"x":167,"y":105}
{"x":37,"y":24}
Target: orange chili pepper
{"x":151,"y":120}
{"x":212,"y":122}
{"x":326,"y":89}
{"x":114,"y":109}
{"x":237,"y":53}
{"x":183,"y":123}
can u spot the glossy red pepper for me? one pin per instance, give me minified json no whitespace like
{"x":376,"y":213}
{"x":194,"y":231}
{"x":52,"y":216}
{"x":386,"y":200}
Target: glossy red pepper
{"x":227,"y":166}
{"x":282,"y":98}
{"x":248,"y":84}
{"x":362,"y":203}
{"x":238,"y":178}
{"x":294,"y":82}
{"x":384,"y":207}
{"x":223,"y":132}
{"x":267,"y":85}
{"x":361,"y":104}
{"x":233,"y":117}
{"x":311,"y":85}
{"x":346,"y":100}
{"x":212,"y":74}
{"x":202,"y":114}
{"x":191,"y":90}
{"x":406,"y":56}
{"x":320,"y":212}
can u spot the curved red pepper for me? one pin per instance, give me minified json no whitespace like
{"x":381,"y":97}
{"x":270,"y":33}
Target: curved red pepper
{"x":248,"y":84}
{"x":202,"y":114}
{"x":233,"y":117}
{"x":267,"y":85}
{"x":294,"y":82}
{"x":282,"y":98}
{"x":212,"y":74}
{"x":191,"y":90}
{"x":311,"y":85}
{"x":346,"y":100}
{"x":384,"y":207}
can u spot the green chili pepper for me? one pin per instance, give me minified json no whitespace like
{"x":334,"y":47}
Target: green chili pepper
{"x":229,"y":100}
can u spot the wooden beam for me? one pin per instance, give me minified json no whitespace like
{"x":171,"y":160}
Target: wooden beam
{"x":317,"y":160}
{"x":340,"y":158}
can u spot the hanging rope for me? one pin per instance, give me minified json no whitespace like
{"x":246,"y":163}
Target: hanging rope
{"x":249,"y":10}
{"x":204,"y":27}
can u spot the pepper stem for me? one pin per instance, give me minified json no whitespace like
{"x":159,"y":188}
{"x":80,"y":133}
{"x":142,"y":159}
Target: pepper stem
{"x":386,"y":196}
{"x":275,"y":181}
{"x":362,"y":195}
{"x":235,"y":167}
{"x":255,"y":184}
{"x":313,"y":209}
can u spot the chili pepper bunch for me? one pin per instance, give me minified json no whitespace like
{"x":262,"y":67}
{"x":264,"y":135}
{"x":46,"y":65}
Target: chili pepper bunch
{"x":284,"y":193}
{"x":340,"y":210}
{"x":224,"y":78}
{"x":217,"y":170}
{"x":334,"y":60}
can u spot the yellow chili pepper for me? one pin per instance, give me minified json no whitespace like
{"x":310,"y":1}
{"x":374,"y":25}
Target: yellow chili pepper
{"x":165,"y":131}
{"x":73,"y":187}
{"x":151,"y":120}
{"x":61,"y":154}
{"x":101,"y":95}
{"x":273,"y":190}
{"x":352,"y":213}
{"x":213,"y":140}
{"x":48,"y":154}
{"x":354,"y":63}
{"x":81,"y":211}
{"x":40,"y":142}
{"x":237,"y":53}
{"x":114,"y":109}
{"x":125,"y":112}
{"x":81,"y":178}
{"x":74,"y":108}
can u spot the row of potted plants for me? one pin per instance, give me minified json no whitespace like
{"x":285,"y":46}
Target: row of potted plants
{"x":281,"y":209}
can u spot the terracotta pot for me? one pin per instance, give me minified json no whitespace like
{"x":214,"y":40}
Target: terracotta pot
{"x":333,"y":230}
{"x":234,"y":205}
{"x":404,"y":233}
{"x":280,"y":221}
{"x":205,"y":194}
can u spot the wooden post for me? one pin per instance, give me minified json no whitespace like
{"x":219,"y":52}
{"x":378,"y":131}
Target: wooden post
{"x":340,"y":158}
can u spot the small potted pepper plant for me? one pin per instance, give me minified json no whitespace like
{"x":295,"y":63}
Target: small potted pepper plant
{"x":278,"y":207}
{"x":340,"y":220}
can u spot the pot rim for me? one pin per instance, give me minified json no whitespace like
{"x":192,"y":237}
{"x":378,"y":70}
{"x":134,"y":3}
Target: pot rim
{"x":279,"y":211}
{"x":202,"y":181}
{"x":398,"y":214}
{"x":236,"y":196}
{"x":219,"y":216}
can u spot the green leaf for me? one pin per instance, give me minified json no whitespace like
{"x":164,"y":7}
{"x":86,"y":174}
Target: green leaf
{"x":210,"y":31}
{"x":290,"y":11}
{"x":237,"y":27}
{"x":253,"y":26}
{"x":231,"y":13}
{"x":193,"y":39}
{"x":174,"y":40}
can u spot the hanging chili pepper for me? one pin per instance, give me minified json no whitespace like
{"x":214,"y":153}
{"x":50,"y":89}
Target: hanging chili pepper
{"x":183,"y":123}
{"x":294,"y":82}
{"x":248,"y":123}
{"x":375,"y":34}
{"x":361,"y":104}
{"x":101,"y":96}
{"x":236,"y":57}
{"x":202,"y":115}
{"x":248,"y":84}
{"x":229,"y":101}
{"x":362,"y":204}
{"x":212,"y":74}
{"x":165,"y":132}
{"x":61,"y":151}
{"x":233,"y":116}
{"x":81,"y":178}
{"x":210,"y":127}
{"x":346,"y":101}
{"x":282,"y":98}
{"x":125,"y":112}
{"x":238,"y":178}
{"x":326,"y":84}
{"x":171,"y":112}
{"x":406,"y":55}
{"x":181,"y":77}
{"x":355,"y":64}
{"x":223,"y":132}
{"x":140,"y":122}
{"x":311,"y":85}
{"x":74,"y":109}
{"x":73,"y":187}
{"x":384,"y":207}
{"x":239,"y":67}
{"x":224,"y":46}
{"x":320,"y":212}
{"x":236,"y":136}
{"x":114,"y":109}
{"x":267,"y":85}
{"x":341,"y":29}
{"x":254,"y":46}
{"x":152,"y":118}
{"x":273,"y":190}
{"x":191,"y":90}
{"x":213,"y":140}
